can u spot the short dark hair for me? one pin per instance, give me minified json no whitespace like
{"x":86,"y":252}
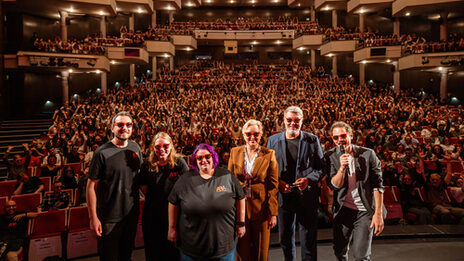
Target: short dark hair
{"x":121,"y":113}
{"x":340,"y":124}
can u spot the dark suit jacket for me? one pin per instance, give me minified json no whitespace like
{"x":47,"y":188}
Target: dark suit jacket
{"x":264,"y":183}
{"x":308,"y":164}
{"x":368,"y":177}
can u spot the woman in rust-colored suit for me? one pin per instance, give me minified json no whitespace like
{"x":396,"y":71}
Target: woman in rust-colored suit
{"x":257,"y":170}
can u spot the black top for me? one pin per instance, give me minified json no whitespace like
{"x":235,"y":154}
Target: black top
{"x":46,"y":172}
{"x":292,"y":155}
{"x":31,"y":186}
{"x":159,"y":185}
{"x":13,"y":232}
{"x":116,"y":168}
{"x":207,"y":213}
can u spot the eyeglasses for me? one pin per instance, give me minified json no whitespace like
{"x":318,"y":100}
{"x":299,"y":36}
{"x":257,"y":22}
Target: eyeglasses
{"x":435,"y":179}
{"x":10,"y":206}
{"x":165,"y":146}
{"x":200,"y":158}
{"x":59,"y":186}
{"x":121,"y":124}
{"x":256,"y":134}
{"x":335,"y":137}
{"x":290,"y":120}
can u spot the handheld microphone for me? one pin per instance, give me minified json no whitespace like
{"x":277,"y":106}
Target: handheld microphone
{"x":342,"y":149}
{"x":347,"y":169}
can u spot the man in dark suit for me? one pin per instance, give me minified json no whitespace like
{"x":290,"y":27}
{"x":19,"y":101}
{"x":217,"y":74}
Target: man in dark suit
{"x":355,"y":174}
{"x":299,"y":155}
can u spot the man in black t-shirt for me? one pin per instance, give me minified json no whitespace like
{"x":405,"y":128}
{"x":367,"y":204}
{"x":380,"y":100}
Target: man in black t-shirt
{"x":112,"y":194}
{"x":13,"y":228}
{"x":299,"y":155}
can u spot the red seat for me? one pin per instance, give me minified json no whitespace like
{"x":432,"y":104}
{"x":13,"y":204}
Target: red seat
{"x":46,"y":235}
{"x":394,"y":209}
{"x":81,"y":240}
{"x":2,"y":204}
{"x":77,"y":167}
{"x":46,"y":182}
{"x":139,"y":242}
{"x":456,"y":166}
{"x":27,"y":202}
{"x":7,"y":187}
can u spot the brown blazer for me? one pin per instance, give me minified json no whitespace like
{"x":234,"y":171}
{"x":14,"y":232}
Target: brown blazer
{"x":264,"y":184}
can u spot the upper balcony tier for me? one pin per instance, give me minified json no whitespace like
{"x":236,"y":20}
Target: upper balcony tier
{"x":367,"y":6}
{"x":373,"y":54}
{"x":327,"y":5}
{"x":423,"y":7}
{"x":429,"y":60}
{"x":338,"y":47}
{"x":244,"y":34}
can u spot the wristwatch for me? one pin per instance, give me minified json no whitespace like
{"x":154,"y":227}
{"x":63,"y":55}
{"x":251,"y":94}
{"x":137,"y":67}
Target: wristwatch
{"x":240,"y":223}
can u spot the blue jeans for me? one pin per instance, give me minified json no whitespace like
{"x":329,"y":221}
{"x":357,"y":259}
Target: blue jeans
{"x":228,"y":257}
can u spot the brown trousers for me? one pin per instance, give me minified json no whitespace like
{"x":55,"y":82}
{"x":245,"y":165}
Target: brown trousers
{"x":254,"y":245}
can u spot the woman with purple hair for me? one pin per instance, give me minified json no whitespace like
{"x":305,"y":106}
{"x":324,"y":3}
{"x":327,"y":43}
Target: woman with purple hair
{"x":206,"y":209}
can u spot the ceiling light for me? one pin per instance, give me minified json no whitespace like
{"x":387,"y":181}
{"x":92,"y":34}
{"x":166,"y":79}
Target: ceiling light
{"x":189,"y":4}
{"x":113,"y":62}
{"x":299,"y":4}
{"x":278,"y":42}
{"x":101,"y":13}
{"x":301,"y":48}
{"x":408,"y":14}
{"x":276,"y":1}
{"x":166,"y":55}
{"x":97,"y":71}
{"x":70,"y":70}
{"x":329,"y":55}
{"x":71,"y":10}
{"x":362,"y":11}
{"x":363,"y":62}
{"x":327,"y":8}
{"x":139,"y":10}
{"x":388,"y":61}
{"x":254,"y":43}
{"x":169,"y":7}
{"x":188,"y":49}
{"x":440,"y":68}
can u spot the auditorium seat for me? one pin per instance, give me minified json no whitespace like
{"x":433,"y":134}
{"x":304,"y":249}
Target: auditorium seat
{"x":46,"y":235}
{"x":3,"y":200}
{"x":81,"y":240}
{"x":27,"y":202}
{"x":7,"y":187}
{"x":47,"y":183}
{"x":394,"y":209}
{"x":77,"y":167}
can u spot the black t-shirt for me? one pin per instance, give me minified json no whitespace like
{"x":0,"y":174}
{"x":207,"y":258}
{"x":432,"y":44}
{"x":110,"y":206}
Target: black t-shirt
{"x":207,"y":213}
{"x":31,"y":186}
{"x":13,"y":232}
{"x":116,"y":169}
{"x":292,"y":155}
{"x":159,"y":185}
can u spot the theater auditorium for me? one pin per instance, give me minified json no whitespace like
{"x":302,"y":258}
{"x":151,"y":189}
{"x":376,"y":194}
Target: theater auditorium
{"x":199,"y":71}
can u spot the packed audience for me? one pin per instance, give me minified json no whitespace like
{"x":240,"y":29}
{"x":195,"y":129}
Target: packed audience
{"x":208,"y":102}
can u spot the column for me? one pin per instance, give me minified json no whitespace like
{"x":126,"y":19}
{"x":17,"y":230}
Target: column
{"x":171,"y":17}
{"x":396,"y":27}
{"x":334,"y":66}
{"x":396,"y":78}
{"x":64,"y":27}
{"x":154,"y":66}
{"x":131,"y":74}
{"x":65,"y":87}
{"x":443,"y":84}
{"x":444,"y":26}
{"x":103,"y":26}
{"x":131,"y":22}
{"x":171,"y":62}
{"x":313,"y":13}
{"x":313,"y":60}
{"x":362,"y":73}
{"x":334,"y":18}
{"x":104,"y":82}
{"x":361,"y":22}
{"x":153,"y":19}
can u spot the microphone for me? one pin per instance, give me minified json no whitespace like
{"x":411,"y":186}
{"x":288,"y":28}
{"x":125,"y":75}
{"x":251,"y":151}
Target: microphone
{"x":347,"y":168}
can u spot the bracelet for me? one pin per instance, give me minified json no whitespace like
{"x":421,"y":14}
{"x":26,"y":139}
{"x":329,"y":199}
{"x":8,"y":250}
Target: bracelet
{"x":240,"y":223}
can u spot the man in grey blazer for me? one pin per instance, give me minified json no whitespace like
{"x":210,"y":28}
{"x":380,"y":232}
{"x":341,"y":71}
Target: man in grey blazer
{"x":299,"y":155}
{"x":355,"y":174}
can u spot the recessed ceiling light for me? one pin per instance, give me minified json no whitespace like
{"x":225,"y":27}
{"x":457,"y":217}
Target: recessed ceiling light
{"x":70,"y":70}
{"x":139,"y":10}
{"x":113,"y":62}
{"x":101,"y":13}
{"x":408,"y":14}
{"x":71,"y":10}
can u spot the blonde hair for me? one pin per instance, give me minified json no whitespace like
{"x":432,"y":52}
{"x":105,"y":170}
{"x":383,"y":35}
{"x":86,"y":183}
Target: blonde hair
{"x":153,"y":159}
{"x":251,"y":123}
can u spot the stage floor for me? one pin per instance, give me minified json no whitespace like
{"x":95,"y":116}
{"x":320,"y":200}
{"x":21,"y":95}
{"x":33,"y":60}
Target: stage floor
{"x":398,"y":242}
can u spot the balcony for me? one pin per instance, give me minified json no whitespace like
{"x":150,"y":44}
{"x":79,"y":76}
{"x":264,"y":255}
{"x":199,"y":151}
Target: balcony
{"x":415,"y":7}
{"x":327,"y":5}
{"x":57,"y":61}
{"x":158,"y":48}
{"x":308,"y":41}
{"x":168,"y":5}
{"x":184,"y":42}
{"x":300,"y":3}
{"x":372,"y":54}
{"x":338,"y":47}
{"x":135,"y":6}
{"x":128,"y":54}
{"x":428,"y":60}
{"x":50,"y":8}
{"x":367,"y":6}
{"x":244,"y":34}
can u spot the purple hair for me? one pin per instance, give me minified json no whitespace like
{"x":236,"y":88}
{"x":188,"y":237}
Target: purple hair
{"x":204,"y":146}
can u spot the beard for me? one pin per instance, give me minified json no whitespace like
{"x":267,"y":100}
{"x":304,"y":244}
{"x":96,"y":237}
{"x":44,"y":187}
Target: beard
{"x":293,"y":132}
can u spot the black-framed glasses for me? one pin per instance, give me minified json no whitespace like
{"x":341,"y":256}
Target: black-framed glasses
{"x":256,"y":134}
{"x":121,"y":124}
{"x":336,"y":137}
{"x":200,"y":158}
